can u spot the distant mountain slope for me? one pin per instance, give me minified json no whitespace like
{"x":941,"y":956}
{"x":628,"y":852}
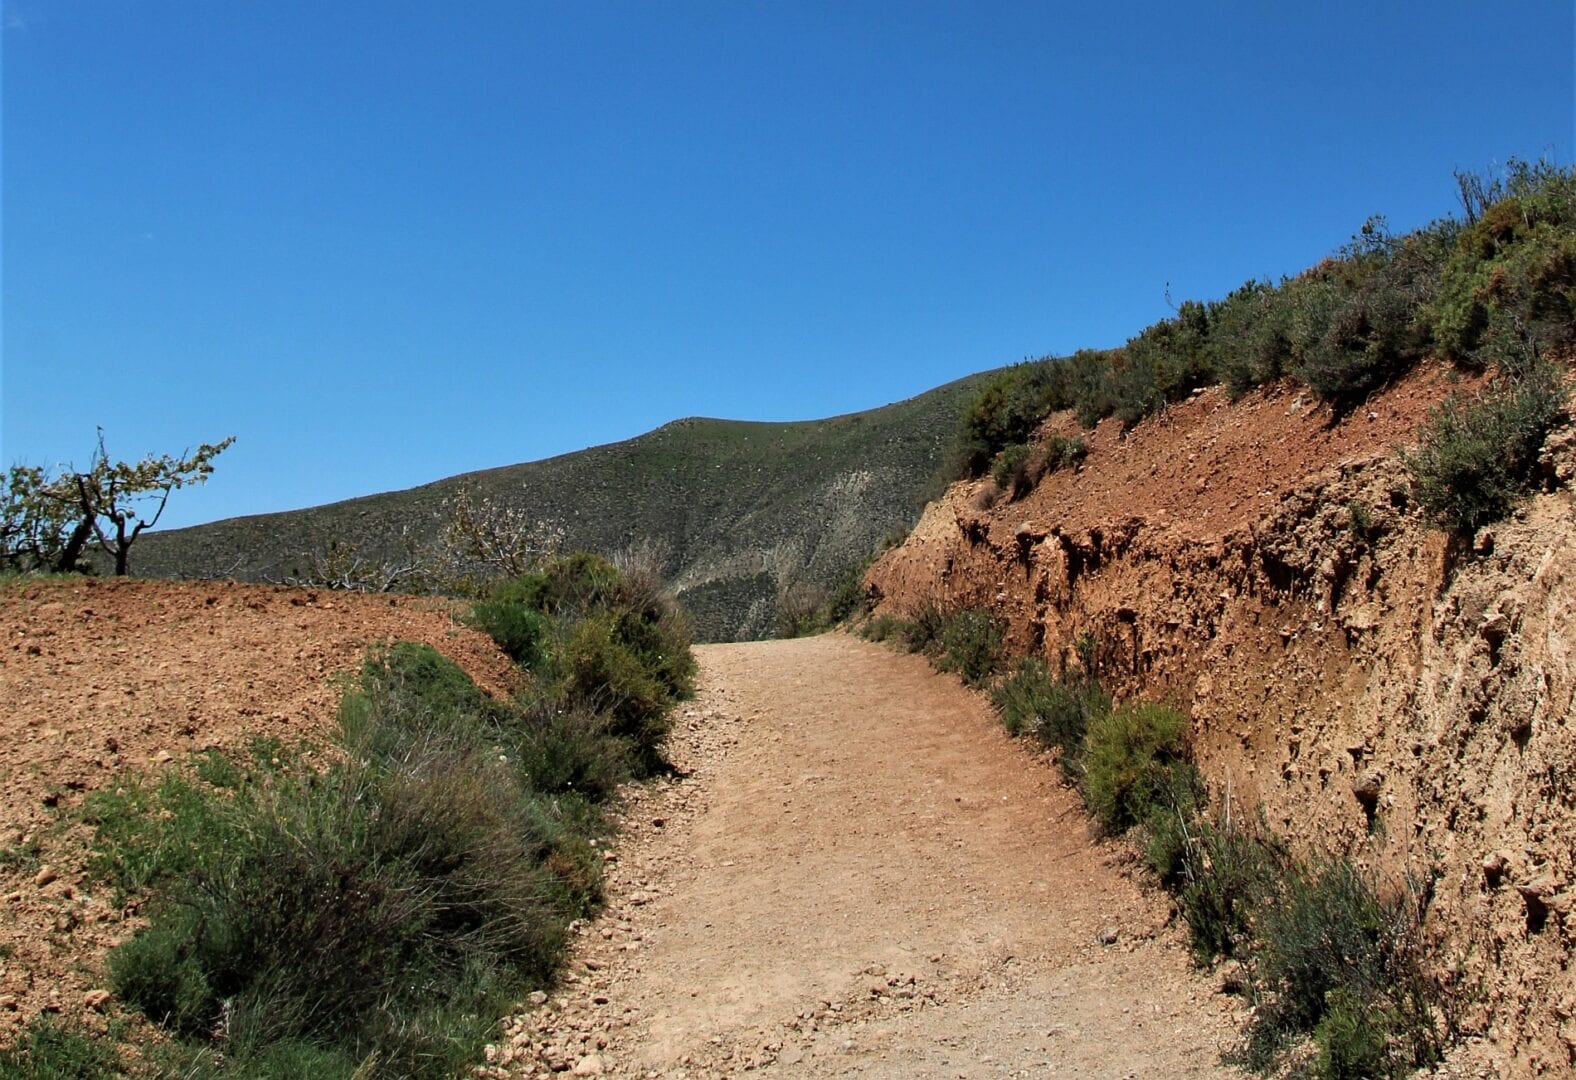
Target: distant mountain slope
{"x":743,"y":507}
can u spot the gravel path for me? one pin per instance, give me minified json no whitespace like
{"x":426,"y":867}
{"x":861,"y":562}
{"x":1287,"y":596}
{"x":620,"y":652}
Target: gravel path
{"x":861,"y":874}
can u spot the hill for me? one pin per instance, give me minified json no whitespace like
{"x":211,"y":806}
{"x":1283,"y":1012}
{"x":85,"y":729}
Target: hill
{"x":741,"y":509}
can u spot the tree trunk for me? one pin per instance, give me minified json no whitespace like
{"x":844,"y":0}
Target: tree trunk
{"x":72,"y":552}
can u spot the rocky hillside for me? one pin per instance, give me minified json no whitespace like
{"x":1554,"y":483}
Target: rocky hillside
{"x":740,"y":509}
{"x":1378,"y":687}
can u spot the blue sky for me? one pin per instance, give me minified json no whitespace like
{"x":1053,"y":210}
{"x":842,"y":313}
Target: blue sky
{"x":385,"y":242}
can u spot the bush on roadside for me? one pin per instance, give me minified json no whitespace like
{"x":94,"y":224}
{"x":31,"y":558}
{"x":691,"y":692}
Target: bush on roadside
{"x":522,"y":632}
{"x":1330,"y":948}
{"x":1229,"y":872}
{"x":971,"y":640}
{"x":1033,"y":702}
{"x":1131,"y":759}
{"x":881,"y":628}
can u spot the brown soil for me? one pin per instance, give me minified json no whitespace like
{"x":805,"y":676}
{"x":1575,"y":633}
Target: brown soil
{"x":100,"y":677}
{"x":1380,"y":690}
{"x":863,"y":874}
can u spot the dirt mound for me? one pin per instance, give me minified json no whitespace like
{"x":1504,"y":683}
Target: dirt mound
{"x":101,"y":677}
{"x":1265,"y":567}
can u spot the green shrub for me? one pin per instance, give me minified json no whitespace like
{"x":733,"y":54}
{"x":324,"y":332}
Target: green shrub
{"x":1476,"y":458}
{"x":1011,"y":472}
{"x":1130,"y":760}
{"x":1249,"y":337}
{"x":1063,"y":452}
{"x":971,"y":640}
{"x":521,"y":632}
{"x":1514,"y":263}
{"x":1228,"y":874}
{"x":1353,"y":1039}
{"x":48,"y":1048}
{"x":1086,"y":376}
{"x":1171,"y":826}
{"x":1006,"y":409}
{"x":388,"y":906}
{"x":922,"y":631}
{"x":1057,"y":713}
{"x":1331,"y":943}
{"x":1368,"y":324}
{"x":880,"y":628}
{"x":603,"y":674}
{"x":564,"y":585}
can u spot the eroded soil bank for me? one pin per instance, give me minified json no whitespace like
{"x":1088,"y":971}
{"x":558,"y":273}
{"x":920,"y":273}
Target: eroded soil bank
{"x":1378,"y":688}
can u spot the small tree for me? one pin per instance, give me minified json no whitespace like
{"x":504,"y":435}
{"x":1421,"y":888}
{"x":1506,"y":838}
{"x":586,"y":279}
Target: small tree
{"x":50,"y":519}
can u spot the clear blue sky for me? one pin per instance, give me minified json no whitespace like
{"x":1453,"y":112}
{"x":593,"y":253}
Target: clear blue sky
{"x":384,"y":242}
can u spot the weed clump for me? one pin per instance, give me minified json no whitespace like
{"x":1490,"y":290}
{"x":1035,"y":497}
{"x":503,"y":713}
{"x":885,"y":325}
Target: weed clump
{"x":971,"y":640}
{"x":49,"y":1047}
{"x":1057,"y":713}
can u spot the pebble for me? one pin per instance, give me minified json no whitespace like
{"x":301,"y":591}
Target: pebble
{"x":1107,"y":936}
{"x":45,"y":875}
{"x":590,"y":1065}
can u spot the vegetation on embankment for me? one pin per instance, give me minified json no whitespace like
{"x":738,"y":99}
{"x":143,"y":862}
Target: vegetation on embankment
{"x":1493,"y":291}
{"x":373,"y":904}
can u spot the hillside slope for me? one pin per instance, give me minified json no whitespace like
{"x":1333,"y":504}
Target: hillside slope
{"x":741,"y":508}
{"x":1266,"y":569}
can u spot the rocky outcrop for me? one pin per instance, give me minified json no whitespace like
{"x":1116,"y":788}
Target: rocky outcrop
{"x":1379,"y":688}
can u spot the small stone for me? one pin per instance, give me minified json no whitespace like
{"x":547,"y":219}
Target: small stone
{"x":8,"y":1002}
{"x":590,"y":1065}
{"x":1366,"y":789}
{"x":45,"y":875}
{"x":1107,"y":936}
{"x":536,"y":997}
{"x":1494,"y":868}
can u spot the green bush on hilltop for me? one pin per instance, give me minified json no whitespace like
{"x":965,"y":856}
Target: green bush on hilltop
{"x":1476,"y":457}
{"x":1478,"y":292}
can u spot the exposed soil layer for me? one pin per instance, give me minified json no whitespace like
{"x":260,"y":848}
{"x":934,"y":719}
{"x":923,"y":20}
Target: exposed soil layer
{"x":1380,"y":689}
{"x":861,"y":874}
{"x":102,"y":677}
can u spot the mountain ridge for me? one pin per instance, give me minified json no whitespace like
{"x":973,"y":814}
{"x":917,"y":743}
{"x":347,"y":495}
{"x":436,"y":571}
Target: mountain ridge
{"x":743,"y":508}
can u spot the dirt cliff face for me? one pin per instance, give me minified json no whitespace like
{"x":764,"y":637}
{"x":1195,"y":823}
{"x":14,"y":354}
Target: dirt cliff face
{"x":1377,"y":687}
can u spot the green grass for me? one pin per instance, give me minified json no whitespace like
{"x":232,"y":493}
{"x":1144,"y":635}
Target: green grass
{"x":49,"y":1048}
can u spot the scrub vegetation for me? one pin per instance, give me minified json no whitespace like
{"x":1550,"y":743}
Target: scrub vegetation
{"x":373,"y":905}
{"x":1491,"y":290}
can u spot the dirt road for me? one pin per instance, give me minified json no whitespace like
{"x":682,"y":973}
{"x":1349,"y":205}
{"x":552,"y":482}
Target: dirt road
{"x":861,"y":874}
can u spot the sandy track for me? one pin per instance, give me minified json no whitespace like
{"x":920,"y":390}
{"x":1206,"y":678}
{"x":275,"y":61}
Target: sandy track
{"x":863,"y":874}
